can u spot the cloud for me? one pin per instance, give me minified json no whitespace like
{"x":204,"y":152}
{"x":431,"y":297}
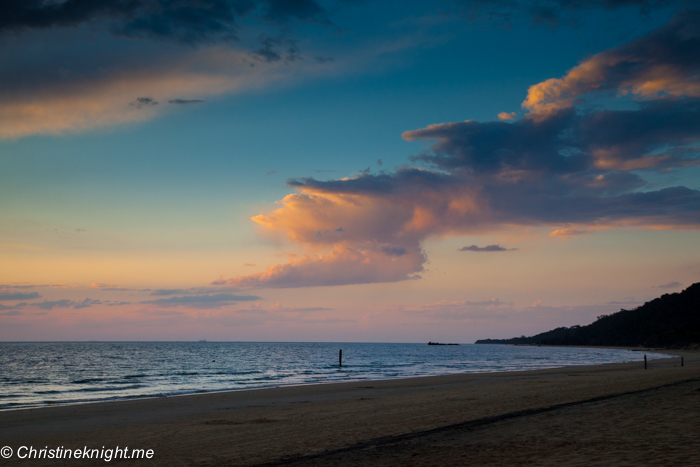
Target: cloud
{"x":101,"y":79}
{"x":51,"y":304}
{"x":65,"y":303}
{"x":201,"y":301}
{"x":550,"y":12}
{"x":607,"y":143}
{"x":269,"y":50}
{"x":343,"y":265}
{"x":278,"y":308}
{"x":504,"y":116}
{"x":86,"y":67}
{"x":658,"y":70}
{"x":306,"y":10}
{"x":141,"y":102}
{"x":393,"y":250}
{"x":413,"y":204}
{"x":10,"y":313}
{"x":33,"y":286}
{"x":190,"y":291}
{"x":18,"y":295}
{"x":568,"y":232}
{"x":117,"y":303}
{"x":87,"y":303}
{"x":101,"y":95}
{"x":568,"y":165}
{"x":385,"y":215}
{"x":485,"y":248}
{"x":670,"y":285}
{"x":185,"y":21}
{"x":195,"y":22}
{"x":663,"y":64}
{"x":171,"y":292}
{"x":110,"y":287}
{"x":185,"y":101}
{"x":39,"y":14}
{"x":14,"y":307}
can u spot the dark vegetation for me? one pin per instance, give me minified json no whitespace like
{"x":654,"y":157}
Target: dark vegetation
{"x":672,"y":321}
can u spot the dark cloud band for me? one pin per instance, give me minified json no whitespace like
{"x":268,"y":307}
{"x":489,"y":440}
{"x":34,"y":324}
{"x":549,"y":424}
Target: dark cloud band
{"x":187,"y":21}
{"x":488,"y":248}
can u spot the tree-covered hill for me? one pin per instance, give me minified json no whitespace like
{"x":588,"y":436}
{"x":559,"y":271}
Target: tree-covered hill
{"x":672,"y":320}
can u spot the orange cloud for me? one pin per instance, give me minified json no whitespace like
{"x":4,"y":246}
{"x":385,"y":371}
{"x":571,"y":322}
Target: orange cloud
{"x":568,"y":232}
{"x":320,"y":218}
{"x":363,"y":237}
{"x":343,"y":265}
{"x":370,"y":228}
{"x":104,"y":100}
{"x":554,"y":168}
{"x":658,"y":65}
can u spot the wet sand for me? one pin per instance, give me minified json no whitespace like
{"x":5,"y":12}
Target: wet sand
{"x":617,"y":414}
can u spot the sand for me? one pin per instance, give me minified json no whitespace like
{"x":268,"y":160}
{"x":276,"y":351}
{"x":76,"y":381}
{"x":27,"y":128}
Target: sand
{"x":617,"y":414}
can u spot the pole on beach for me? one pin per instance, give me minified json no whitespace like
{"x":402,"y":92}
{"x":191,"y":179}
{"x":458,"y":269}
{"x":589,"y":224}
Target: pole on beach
{"x":645,"y":361}
{"x":340,"y":358}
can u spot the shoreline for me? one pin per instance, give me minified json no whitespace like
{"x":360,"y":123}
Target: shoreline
{"x":669,"y":352}
{"x":250,"y":427}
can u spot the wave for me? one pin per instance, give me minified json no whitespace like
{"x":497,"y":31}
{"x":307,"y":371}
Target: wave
{"x":98,"y":372}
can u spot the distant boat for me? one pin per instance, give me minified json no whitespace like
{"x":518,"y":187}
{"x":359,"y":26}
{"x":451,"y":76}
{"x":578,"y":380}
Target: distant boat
{"x":439,"y":343}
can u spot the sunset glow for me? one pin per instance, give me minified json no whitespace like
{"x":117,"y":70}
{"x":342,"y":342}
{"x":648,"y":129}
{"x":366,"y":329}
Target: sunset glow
{"x":341,"y":171}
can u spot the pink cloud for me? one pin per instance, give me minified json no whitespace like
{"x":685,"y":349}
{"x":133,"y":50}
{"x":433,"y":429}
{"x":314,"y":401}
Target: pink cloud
{"x":343,"y":265}
{"x":568,"y":232}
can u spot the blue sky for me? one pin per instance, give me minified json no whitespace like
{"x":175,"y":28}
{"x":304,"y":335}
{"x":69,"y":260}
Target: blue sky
{"x":100,"y":185}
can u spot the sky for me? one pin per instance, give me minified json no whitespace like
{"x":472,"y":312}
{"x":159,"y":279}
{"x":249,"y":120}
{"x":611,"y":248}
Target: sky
{"x":350,"y":170}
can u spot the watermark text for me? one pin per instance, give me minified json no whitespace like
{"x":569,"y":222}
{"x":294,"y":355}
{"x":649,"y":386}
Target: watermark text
{"x":105,"y":454}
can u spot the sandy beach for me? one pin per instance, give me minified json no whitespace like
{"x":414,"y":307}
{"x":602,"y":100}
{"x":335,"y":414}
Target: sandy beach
{"x":618,"y":414}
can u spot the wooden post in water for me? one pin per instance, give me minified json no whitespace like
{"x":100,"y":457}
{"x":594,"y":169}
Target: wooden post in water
{"x":645,"y":361}
{"x":681,"y":361}
{"x":340,"y":358}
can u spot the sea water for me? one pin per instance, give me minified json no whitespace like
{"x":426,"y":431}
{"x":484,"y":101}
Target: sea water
{"x":35,"y":374}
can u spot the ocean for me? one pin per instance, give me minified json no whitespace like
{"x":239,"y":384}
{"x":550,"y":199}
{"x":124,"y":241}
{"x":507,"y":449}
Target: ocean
{"x":38,"y":374}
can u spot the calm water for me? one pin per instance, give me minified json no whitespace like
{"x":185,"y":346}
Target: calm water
{"x":38,"y":374}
